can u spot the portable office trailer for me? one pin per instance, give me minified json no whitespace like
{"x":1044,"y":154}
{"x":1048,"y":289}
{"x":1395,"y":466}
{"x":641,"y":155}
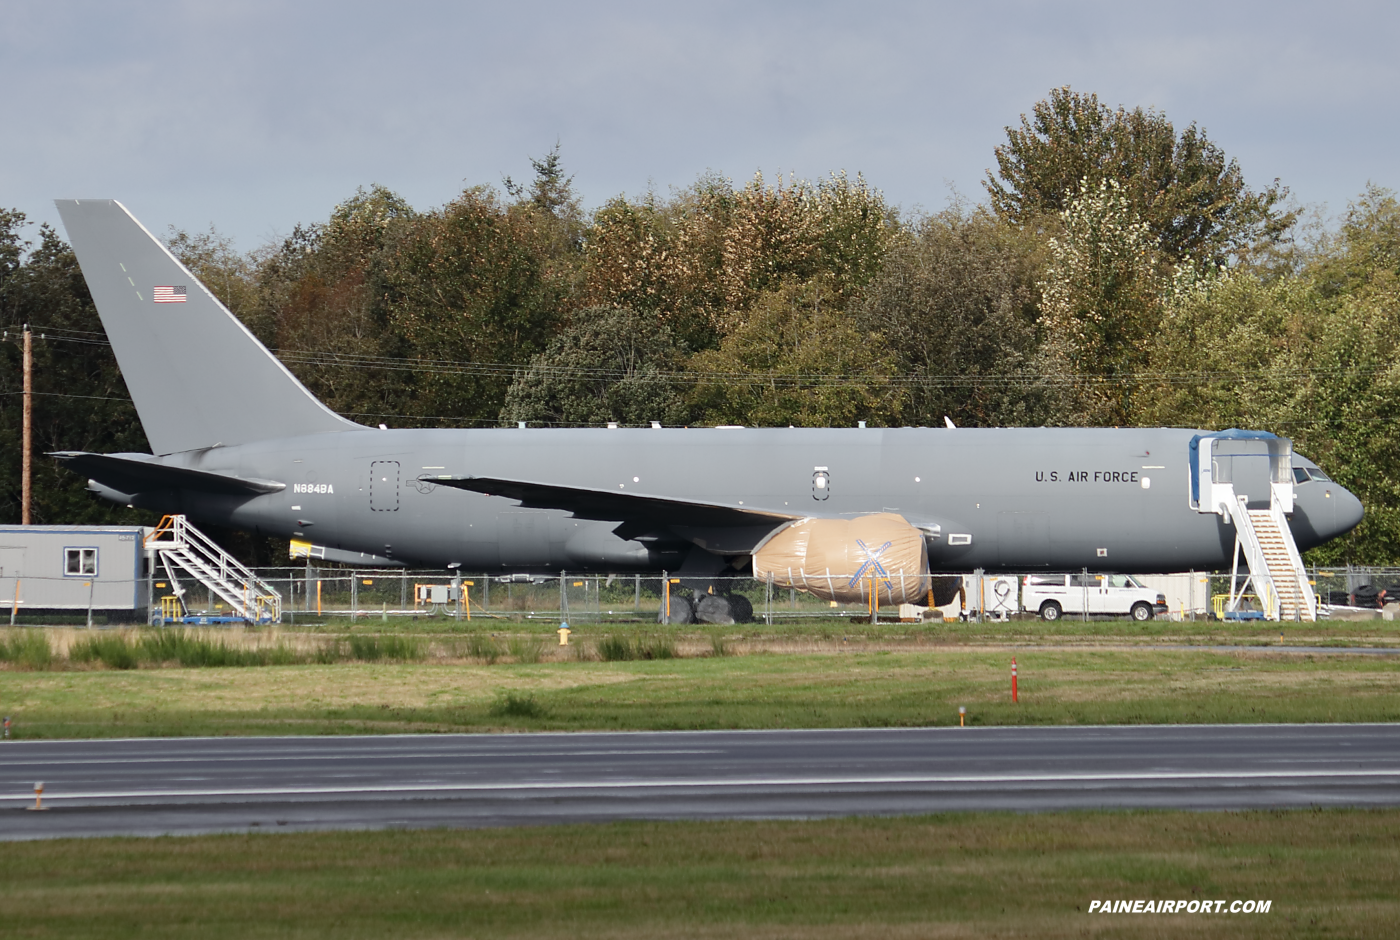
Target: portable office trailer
{"x":73,"y":567}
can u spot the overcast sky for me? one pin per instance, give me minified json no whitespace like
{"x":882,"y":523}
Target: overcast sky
{"x":255,"y":115}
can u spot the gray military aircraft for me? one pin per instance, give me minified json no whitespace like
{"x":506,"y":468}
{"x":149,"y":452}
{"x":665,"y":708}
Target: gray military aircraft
{"x":239,"y":441}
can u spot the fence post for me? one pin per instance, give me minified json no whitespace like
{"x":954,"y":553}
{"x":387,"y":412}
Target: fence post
{"x":354,"y":593}
{"x":1085,"y":616}
{"x":768,"y":600}
{"x":981,"y":594}
{"x":637,"y":601}
{"x":563,"y":595}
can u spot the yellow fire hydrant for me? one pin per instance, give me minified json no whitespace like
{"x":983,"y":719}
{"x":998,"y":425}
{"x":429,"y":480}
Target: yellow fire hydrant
{"x":564,"y":632}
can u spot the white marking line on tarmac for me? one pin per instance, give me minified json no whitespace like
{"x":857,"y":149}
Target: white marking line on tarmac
{"x":435,"y":755}
{"x":719,"y":782}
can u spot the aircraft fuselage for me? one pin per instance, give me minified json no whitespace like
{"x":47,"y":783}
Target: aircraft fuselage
{"x":1000,"y":499}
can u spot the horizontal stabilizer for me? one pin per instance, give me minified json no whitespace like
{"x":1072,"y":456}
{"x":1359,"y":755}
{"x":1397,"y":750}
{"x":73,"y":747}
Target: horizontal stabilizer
{"x":135,"y":473}
{"x":638,"y":512}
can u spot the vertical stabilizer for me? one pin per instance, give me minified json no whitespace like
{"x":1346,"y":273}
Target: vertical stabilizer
{"x":198,"y":376}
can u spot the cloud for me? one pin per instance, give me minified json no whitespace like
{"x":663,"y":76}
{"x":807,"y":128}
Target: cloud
{"x":256,"y":115}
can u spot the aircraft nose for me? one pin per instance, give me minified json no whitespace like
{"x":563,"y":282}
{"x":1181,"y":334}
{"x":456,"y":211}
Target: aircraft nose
{"x":1347,"y":510}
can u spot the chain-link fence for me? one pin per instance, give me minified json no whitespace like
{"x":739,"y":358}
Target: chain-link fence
{"x":576,"y":598}
{"x":311,"y":594}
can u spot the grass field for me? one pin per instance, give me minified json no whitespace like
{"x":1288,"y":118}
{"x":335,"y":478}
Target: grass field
{"x":1327,"y":874}
{"x":803,"y":683}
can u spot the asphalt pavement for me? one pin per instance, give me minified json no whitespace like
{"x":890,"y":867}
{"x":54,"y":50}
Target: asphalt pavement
{"x":160,"y":786}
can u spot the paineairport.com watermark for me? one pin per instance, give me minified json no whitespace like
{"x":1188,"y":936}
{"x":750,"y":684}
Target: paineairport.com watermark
{"x":1121,"y":906}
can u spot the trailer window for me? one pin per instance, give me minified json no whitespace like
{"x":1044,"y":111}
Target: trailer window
{"x":79,"y":561}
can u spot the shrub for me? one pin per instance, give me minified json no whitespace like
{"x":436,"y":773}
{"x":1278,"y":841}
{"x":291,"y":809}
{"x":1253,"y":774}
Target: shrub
{"x":718,"y":646}
{"x":619,"y":649}
{"x":656,"y":647}
{"x":27,"y":649}
{"x":484,"y":648}
{"x":612,"y":649}
{"x":112,"y":650}
{"x":512,"y":705}
{"x":525,"y":649}
{"x":191,"y":650}
{"x":372,"y":648}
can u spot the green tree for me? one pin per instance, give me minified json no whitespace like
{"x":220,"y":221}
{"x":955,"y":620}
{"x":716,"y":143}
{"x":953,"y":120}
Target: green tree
{"x":610,"y":364}
{"x":702,"y":258}
{"x":80,"y":401}
{"x":1193,"y":199}
{"x":956,"y":304}
{"x":1101,"y":303}
{"x":797,"y":359}
{"x":1294,"y":356}
{"x":230,"y":274}
{"x":468,"y":289}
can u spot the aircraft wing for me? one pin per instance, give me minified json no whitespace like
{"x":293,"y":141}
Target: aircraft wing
{"x":719,"y":527}
{"x":132,"y":474}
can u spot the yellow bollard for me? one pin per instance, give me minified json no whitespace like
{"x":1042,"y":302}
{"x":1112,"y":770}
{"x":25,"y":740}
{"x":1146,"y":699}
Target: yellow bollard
{"x":38,"y":797}
{"x":564,"y":632}
{"x":962,"y":715}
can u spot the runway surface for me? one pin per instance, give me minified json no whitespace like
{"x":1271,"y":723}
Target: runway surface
{"x":191,"y":785}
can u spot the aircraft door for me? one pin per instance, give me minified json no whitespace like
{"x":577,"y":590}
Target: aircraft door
{"x":384,"y":486}
{"x":821,"y":483}
{"x":1241,"y":463}
{"x":1244,"y":465}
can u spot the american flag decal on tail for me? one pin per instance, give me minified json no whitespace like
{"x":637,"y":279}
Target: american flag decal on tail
{"x":168,"y":295}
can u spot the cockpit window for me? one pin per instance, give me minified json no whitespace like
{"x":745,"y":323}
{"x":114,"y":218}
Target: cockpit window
{"x":1319,"y":475}
{"x":1301,"y":475}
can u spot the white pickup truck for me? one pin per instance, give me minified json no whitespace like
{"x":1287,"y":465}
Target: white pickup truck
{"x":1052,"y":595}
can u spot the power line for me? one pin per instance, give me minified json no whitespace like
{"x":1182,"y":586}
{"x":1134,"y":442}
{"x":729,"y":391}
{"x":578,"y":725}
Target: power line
{"x":783,"y":380}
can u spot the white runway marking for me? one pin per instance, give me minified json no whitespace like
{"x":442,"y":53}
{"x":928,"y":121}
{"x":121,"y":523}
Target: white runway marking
{"x":1155,"y":777}
{"x":395,"y":755}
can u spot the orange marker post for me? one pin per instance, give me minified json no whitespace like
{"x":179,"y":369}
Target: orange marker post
{"x":1014,"y":697}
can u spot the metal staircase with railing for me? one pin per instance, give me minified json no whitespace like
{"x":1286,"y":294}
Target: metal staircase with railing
{"x":1256,"y":462}
{"x":1275,"y":566}
{"x":181,"y":547}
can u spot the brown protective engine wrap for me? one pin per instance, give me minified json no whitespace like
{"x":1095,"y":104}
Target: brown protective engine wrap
{"x":835,"y":559}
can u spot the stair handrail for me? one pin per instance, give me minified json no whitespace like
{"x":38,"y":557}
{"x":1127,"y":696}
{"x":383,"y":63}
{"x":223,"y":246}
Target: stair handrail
{"x":193,"y":550}
{"x":1259,"y":574}
{"x":1295,"y":561}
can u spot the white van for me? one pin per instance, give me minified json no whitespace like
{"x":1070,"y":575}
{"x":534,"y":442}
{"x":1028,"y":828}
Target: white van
{"x":1052,"y":595}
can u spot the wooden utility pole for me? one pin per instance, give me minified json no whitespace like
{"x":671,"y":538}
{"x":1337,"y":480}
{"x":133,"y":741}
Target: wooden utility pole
{"x":28,"y":425}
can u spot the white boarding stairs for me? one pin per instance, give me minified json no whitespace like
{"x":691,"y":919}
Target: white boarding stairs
{"x":1275,"y":567}
{"x":1262,"y":535}
{"x":182,"y":547}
